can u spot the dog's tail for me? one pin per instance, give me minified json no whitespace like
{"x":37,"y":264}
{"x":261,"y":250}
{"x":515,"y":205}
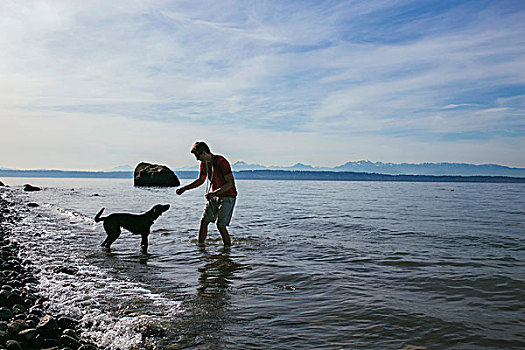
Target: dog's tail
{"x":97,"y":217}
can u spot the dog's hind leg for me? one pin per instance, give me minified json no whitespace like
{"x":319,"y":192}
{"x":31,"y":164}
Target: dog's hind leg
{"x":113,"y":232}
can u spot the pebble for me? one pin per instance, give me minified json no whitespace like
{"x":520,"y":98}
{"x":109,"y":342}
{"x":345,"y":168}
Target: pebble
{"x":66,"y":340}
{"x":87,"y":347}
{"x":28,"y":335}
{"x":13,"y":345}
{"x":5,"y":314}
{"x":14,"y":298}
{"x":47,"y":327}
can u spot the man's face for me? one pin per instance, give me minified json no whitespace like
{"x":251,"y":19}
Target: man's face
{"x":197,"y":155}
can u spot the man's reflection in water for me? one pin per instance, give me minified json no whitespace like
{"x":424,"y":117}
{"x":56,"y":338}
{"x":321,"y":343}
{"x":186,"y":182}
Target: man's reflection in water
{"x":210,"y":311}
{"x":216,"y":276}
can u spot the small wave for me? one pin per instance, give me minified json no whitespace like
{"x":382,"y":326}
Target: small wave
{"x":71,"y":214}
{"x":406,"y":233}
{"x":92,"y":295}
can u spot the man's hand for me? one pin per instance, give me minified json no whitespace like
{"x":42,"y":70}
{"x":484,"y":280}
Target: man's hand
{"x":210,"y":195}
{"x":180,"y":191}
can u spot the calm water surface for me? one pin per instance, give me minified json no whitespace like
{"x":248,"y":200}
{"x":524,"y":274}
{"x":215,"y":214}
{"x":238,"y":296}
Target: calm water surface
{"x":314,"y":265}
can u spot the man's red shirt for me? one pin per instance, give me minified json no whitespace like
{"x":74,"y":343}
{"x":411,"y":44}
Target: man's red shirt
{"x":216,"y":170}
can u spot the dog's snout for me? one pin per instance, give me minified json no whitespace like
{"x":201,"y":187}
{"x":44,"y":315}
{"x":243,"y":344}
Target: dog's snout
{"x":160,"y":208}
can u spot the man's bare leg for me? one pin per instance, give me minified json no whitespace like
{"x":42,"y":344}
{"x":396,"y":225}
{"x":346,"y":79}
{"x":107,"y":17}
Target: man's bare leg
{"x":203,"y":231}
{"x":225,"y":235}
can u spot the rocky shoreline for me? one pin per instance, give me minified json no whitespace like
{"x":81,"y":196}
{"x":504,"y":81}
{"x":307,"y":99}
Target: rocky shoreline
{"x":24,"y":322}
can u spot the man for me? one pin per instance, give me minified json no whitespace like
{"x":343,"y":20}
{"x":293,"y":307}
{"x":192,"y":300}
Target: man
{"x":221,"y":198}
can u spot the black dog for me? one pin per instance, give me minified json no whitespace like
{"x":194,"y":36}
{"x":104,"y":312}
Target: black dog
{"x":139,"y":224}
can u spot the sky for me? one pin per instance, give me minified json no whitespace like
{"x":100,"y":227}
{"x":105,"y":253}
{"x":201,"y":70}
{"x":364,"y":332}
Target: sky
{"x":91,"y":85}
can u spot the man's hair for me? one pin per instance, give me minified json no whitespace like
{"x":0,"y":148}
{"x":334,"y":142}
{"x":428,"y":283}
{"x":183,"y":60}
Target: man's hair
{"x":199,"y":147}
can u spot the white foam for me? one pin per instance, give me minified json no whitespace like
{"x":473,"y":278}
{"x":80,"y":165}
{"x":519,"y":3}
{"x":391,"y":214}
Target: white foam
{"x":73,"y":215}
{"x":113,"y":311}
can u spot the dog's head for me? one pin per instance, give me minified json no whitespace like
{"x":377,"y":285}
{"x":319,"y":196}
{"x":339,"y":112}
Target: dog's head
{"x":158,"y":209}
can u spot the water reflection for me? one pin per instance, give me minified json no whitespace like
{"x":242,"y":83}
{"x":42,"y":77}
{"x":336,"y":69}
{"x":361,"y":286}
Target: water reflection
{"x":208,"y":311}
{"x":216,"y":276}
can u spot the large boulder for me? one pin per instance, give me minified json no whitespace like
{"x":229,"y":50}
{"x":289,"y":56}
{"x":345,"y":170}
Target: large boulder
{"x":155,"y":175}
{"x":1,"y":184}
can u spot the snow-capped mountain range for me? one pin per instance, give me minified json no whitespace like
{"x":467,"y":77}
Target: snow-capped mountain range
{"x":462,"y":169}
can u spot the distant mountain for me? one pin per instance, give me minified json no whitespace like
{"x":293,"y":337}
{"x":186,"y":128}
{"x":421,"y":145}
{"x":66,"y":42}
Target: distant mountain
{"x":301,"y":167}
{"x":461,"y":169}
{"x":240,"y":165}
{"x":365,"y":166}
{"x":121,"y":168}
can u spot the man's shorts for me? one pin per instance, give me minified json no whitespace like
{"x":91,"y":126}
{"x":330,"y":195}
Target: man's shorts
{"x":220,"y":209}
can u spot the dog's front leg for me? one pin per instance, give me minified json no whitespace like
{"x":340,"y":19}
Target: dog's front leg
{"x":144,"y":243}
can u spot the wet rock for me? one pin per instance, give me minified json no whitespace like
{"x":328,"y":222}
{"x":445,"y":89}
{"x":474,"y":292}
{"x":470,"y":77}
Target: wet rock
{"x":14,"y":298}
{"x":48,"y":327}
{"x":16,"y":326}
{"x":67,"y":270}
{"x":30,"y":295}
{"x":71,"y":333}
{"x":1,"y":184}
{"x":66,"y":340}
{"x":4,"y":336}
{"x":31,"y":323}
{"x":15,"y":282}
{"x":67,"y":323}
{"x":32,"y":205}
{"x":15,"y":266}
{"x":88,"y":347}
{"x":49,"y":343}
{"x":147,"y":174}
{"x":13,"y":345}
{"x":41,"y":301}
{"x":5,"y":314}
{"x":3,"y":299}
{"x":19,"y":309}
{"x":36,"y":311}
{"x":28,"y":335}
{"x":31,"y":188}
{"x":30,"y":279}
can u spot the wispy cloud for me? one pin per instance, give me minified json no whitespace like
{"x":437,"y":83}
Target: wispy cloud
{"x":325,"y":75}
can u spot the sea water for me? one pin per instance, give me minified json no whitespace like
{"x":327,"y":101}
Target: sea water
{"x":313,"y":265}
